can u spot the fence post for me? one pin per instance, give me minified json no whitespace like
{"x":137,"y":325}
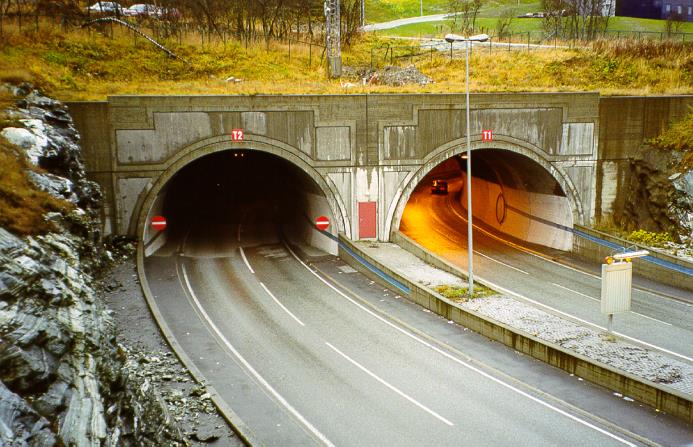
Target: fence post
{"x":528,"y":41}
{"x":431,"y":50}
{"x":509,"y":37}
{"x":450,"y":50}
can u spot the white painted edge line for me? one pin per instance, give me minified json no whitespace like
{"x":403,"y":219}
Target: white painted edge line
{"x":573,"y":317}
{"x":281,"y":305}
{"x":392,"y":387}
{"x":500,"y":262}
{"x":252,"y":370}
{"x":651,"y":318}
{"x":523,"y":249}
{"x":576,"y":292}
{"x":246,"y":260}
{"x":461,"y":362}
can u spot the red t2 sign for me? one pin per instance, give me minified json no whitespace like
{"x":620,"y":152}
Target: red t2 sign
{"x":237,"y":135}
{"x":486,"y":135}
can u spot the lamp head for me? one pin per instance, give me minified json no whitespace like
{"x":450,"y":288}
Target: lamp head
{"x":457,"y":38}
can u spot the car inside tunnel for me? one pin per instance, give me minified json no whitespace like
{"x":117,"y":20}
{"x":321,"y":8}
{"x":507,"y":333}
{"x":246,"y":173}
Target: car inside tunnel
{"x":513,"y":197}
{"x":247,"y":196}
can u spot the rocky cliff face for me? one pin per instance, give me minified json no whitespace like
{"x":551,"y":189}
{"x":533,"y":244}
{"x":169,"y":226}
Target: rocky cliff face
{"x":660,"y":194}
{"x":63,"y":378}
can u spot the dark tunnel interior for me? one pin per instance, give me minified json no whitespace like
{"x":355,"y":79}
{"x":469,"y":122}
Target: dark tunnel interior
{"x":225,"y":186}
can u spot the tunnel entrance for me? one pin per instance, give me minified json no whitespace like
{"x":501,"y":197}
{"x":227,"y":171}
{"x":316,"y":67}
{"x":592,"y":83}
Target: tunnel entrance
{"x":241,"y":197}
{"x":512,"y":196}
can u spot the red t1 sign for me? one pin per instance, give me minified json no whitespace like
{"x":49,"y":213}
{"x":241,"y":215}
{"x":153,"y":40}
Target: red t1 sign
{"x":237,"y":135}
{"x":486,"y":135}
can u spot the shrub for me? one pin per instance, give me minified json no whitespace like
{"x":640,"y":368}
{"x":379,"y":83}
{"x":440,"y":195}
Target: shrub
{"x":459,"y":294}
{"x":651,"y":239}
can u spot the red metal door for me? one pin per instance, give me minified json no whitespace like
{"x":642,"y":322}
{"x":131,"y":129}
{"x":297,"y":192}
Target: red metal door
{"x":367,"y":220}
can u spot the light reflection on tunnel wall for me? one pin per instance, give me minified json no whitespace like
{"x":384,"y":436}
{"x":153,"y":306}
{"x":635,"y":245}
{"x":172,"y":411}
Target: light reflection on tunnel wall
{"x":225,"y":188}
{"x":511,"y":195}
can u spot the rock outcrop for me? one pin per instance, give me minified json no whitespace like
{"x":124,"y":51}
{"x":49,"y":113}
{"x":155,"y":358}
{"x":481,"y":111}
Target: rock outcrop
{"x":63,"y":378}
{"x":660,"y":194}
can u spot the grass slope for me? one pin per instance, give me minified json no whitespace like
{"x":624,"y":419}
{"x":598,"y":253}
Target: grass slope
{"x":83,"y":66}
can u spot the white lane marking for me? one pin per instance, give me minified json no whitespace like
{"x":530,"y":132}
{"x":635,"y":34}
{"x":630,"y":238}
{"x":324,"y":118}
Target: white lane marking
{"x":575,"y":291}
{"x":573,"y":317}
{"x":246,"y":260}
{"x":523,"y":249}
{"x":500,"y":262}
{"x":461,"y":362}
{"x":252,"y":370}
{"x":281,"y":305}
{"x":392,"y":387}
{"x":548,"y":259}
{"x":650,"y":318}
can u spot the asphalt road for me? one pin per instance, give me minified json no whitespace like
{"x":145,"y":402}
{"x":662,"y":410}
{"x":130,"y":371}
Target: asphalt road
{"x":303,"y":362}
{"x":656,"y":320}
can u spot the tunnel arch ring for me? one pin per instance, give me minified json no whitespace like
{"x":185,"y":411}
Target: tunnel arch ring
{"x":256,"y":143}
{"x":458,"y":146}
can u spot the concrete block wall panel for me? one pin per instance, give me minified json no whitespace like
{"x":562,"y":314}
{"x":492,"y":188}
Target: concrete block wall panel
{"x":333,"y":143}
{"x":403,"y":133}
{"x":129,"y":191}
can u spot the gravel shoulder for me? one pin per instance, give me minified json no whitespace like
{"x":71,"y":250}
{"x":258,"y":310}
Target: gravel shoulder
{"x":140,"y":339}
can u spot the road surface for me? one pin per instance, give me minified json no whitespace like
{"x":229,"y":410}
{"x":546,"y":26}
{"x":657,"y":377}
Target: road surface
{"x":656,"y":320}
{"x":305,"y":362}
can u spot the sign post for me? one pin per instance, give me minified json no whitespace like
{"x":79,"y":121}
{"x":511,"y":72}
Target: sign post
{"x":617,"y":276}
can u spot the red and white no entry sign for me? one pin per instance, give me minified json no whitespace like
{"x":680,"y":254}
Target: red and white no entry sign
{"x":159,"y":223}
{"x":322,"y":222}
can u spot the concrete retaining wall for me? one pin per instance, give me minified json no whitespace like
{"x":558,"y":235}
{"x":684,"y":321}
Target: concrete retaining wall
{"x":650,"y":393}
{"x":595,"y":252}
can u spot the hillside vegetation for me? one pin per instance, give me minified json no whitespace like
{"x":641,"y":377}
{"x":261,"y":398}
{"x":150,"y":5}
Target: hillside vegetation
{"x":80,"y":65}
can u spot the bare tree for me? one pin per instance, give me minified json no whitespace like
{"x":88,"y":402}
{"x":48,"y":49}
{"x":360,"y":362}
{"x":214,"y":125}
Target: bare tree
{"x":504,"y":22}
{"x":673,"y":23}
{"x":576,"y":19}
{"x":465,"y":12}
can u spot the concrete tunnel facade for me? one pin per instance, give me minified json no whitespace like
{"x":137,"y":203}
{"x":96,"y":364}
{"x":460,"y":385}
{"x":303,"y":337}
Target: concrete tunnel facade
{"x":366,"y":153}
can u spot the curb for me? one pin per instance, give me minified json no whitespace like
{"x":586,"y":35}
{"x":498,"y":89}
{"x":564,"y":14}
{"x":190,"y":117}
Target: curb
{"x":239,"y":427}
{"x":655,"y":395}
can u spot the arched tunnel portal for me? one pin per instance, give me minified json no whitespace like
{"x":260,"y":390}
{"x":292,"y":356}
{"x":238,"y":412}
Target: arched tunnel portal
{"x":242,"y":192}
{"x":519,"y":195}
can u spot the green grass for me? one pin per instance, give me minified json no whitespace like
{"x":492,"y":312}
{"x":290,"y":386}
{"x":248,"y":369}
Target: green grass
{"x":385,"y":10}
{"x":627,"y":26}
{"x":459,"y":294}
{"x":439,"y":28}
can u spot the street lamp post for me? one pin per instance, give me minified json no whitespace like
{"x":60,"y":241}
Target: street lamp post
{"x":470,"y":250}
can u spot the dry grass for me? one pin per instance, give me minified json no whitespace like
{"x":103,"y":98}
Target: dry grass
{"x":79,"y":65}
{"x":22,"y":206}
{"x":678,"y":137}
